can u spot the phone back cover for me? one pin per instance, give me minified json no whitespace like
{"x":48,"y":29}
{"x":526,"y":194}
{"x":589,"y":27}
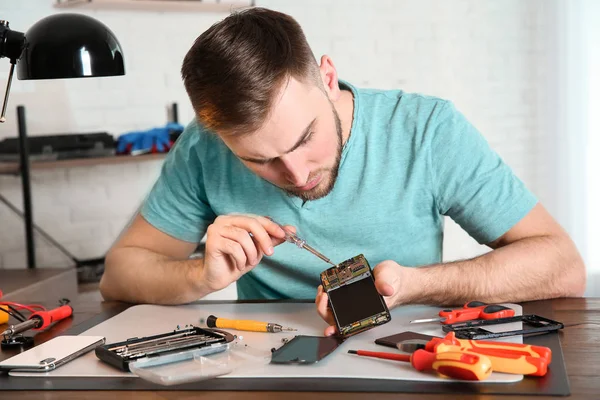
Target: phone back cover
{"x":57,"y":348}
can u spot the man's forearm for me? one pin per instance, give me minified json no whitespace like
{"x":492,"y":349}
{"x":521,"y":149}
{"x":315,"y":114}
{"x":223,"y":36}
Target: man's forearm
{"x":530,"y":269}
{"x":138,"y":275}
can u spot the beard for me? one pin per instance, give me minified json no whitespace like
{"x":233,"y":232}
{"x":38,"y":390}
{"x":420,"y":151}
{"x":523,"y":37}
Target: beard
{"x":328,"y":175}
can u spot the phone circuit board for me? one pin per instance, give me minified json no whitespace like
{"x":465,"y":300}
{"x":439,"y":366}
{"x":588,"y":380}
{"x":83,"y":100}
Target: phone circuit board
{"x":354,"y":300}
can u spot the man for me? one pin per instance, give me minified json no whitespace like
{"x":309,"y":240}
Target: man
{"x":353,"y":170}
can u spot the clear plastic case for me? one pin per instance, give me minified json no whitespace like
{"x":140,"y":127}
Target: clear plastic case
{"x":199,"y":364}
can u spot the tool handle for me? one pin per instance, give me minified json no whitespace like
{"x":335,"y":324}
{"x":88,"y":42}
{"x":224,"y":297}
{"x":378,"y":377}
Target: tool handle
{"x":238,"y":324}
{"x":48,"y":317}
{"x":491,"y":311}
{"x":495,"y":311}
{"x":508,"y":349}
{"x":4,"y":314}
{"x":458,"y":365}
{"x":475,"y":304}
{"x":493,"y":348}
{"x":503,"y":362}
{"x":475,"y":310}
{"x":459,"y":315}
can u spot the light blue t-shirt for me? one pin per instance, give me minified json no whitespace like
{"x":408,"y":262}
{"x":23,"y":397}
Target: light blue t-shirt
{"x":410,"y":160}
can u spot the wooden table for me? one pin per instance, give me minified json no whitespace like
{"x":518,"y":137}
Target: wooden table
{"x":580,"y":347}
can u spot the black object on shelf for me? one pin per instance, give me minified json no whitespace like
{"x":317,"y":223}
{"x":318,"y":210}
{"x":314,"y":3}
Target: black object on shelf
{"x":174,"y":113}
{"x":60,"y":147}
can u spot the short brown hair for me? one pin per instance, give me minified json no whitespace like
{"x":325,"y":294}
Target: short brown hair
{"x":234,"y":70}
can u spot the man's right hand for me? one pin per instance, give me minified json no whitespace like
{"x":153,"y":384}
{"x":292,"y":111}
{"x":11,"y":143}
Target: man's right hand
{"x":231,"y":251}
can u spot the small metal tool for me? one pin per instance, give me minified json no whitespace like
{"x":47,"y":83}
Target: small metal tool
{"x":21,"y":327}
{"x":301,"y":243}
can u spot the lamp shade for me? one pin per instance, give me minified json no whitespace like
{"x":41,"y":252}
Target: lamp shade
{"x":70,"y":46}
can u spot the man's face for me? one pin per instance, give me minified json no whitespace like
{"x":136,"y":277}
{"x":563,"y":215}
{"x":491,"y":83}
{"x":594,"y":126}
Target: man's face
{"x":300,"y":145}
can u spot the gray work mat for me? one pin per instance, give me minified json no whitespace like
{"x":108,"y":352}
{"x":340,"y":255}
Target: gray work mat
{"x":340,"y":371}
{"x":146,"y":320}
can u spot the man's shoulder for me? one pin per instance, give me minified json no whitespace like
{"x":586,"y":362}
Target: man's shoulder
{"x":403,"y":98}
{"x":400,"y":102}
{"x":401,"y":110}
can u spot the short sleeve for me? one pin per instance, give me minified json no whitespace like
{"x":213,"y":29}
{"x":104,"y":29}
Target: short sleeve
{"x":472,"y":184}
{"x":177,"y":204}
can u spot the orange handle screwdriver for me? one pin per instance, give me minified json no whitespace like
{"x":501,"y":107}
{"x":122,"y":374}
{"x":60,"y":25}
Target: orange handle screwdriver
{"x":458,"y":365}
{"x":512,"y":358}
{"x":470,"y":311}
{"x":510,"y":364}
{"x":490,"y":347}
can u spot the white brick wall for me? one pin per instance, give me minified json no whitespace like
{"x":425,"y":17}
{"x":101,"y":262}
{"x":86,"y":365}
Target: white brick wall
{"x":489,"y":57}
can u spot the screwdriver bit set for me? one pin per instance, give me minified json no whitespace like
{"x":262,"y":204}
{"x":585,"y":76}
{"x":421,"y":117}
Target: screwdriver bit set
{"x":179,"y":345}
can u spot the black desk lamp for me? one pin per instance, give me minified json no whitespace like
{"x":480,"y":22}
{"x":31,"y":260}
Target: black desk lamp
{"x":59,"y":46}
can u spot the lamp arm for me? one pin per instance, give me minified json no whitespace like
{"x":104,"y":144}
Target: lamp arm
{"x":12,"y":44}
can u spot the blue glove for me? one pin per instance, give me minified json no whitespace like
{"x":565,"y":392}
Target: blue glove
{"x":143,"y":141}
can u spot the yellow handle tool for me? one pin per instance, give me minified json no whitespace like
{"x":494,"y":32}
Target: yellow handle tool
{"x":4,"y":314}
{"x":245,"y":325}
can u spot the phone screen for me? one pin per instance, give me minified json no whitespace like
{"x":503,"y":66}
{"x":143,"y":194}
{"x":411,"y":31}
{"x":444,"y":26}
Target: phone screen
{"x":357,"y":301}
{"x":353,"y":297}
{"x":305,"y":349}
{"x":394,"y":340}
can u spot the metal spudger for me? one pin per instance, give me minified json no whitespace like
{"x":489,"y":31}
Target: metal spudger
{"x":293,"y":238}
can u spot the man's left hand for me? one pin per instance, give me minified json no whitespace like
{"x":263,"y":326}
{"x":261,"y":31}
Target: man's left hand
{"x":388,"y":281}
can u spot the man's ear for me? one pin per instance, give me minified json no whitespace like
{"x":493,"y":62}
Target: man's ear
{"x":330,"y":78}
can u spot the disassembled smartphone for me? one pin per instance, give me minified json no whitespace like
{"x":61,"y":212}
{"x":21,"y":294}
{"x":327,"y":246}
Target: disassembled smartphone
{"x":354,"y":300}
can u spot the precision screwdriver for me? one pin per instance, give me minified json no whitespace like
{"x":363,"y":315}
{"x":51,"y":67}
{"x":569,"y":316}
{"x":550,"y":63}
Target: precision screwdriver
{"x":301,"y":243}
{"x":245,"y":325}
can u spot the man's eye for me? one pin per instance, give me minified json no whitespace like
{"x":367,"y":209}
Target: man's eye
{"x":309,"y":137}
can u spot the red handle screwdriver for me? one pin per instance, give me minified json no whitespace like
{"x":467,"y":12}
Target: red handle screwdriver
{"x":458,"y":365}
{"x":470,"y":311}
{"x":48,"y":317}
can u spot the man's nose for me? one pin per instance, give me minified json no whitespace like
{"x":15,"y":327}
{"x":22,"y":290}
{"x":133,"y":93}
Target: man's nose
{"x":295,"y":170}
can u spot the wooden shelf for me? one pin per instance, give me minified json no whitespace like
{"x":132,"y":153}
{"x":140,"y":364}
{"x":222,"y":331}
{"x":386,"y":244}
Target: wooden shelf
{"x":13,"y":168}
{"x":157,"y":5}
